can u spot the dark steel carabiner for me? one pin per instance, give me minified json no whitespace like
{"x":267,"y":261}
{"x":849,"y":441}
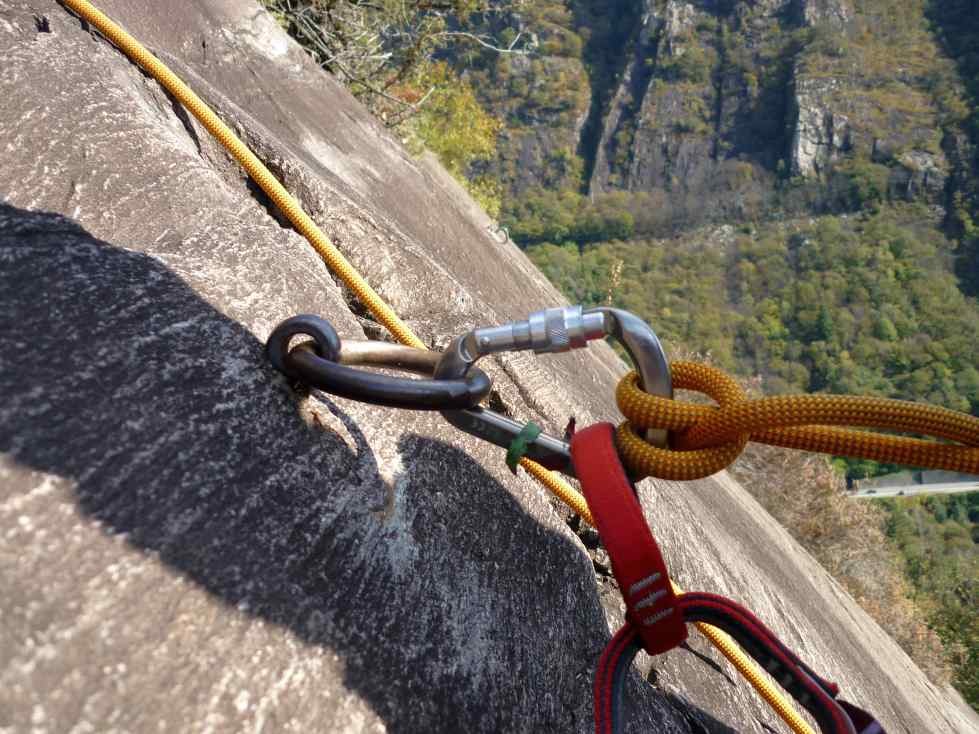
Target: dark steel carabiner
{"x":325,"y":363}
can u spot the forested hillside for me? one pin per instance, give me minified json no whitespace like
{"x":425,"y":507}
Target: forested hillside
{"x":789,"y":188}
{"x":938,"y":537}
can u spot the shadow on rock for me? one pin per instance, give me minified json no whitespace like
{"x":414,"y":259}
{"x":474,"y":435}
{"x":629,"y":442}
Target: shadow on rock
{"x":448,"y":605}
{"x":177,"y":433}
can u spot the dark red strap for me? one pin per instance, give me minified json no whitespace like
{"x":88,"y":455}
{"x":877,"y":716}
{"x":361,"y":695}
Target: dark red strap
{"x":636,"y":561}
{"x":656,"y":617}
{"x":833,"y":716}
{"x":864,"y":722}
{"x":815,"y":694}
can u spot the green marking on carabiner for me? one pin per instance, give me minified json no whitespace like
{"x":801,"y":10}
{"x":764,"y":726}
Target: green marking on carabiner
{"x":518,"y":446}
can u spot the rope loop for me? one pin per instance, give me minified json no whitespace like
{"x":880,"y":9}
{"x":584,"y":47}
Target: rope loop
{"x":643,"y":411}
{"x":705,"y":439}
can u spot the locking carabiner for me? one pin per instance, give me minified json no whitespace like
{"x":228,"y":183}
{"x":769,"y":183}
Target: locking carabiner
{"x":549,"y":331}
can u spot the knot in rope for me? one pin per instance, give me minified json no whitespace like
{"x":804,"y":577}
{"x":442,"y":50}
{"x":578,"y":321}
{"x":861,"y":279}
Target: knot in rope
{"x":707,"y":438}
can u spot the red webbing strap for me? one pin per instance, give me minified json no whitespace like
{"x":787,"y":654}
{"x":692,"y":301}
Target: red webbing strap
{"x":636,"y":561}
{"x":653,"y":619}
{"x":656,"y":618}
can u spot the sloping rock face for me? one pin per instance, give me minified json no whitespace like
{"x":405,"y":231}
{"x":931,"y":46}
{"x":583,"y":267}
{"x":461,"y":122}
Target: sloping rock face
{"x":191,"y":545}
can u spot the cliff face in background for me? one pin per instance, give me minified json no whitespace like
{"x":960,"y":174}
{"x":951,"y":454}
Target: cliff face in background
{"x":712,"y":106}
{"x":191,"y":544}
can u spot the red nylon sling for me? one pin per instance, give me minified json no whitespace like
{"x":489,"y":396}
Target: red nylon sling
{"x":656,"y":618}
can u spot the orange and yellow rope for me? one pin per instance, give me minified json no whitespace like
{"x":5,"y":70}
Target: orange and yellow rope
{"x":706,"y":439}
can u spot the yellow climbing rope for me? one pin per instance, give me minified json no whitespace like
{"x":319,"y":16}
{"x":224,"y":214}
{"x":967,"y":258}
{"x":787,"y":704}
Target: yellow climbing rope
{"x":340,"y":266}
{"x":333,"y":258}
{"x":705,"y":439}
{"x":771,"y":695}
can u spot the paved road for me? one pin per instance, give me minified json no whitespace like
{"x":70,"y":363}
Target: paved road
{"x":907,"y":490}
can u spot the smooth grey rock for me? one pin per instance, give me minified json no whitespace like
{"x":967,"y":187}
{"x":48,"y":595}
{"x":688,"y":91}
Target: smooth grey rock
{"x":190,"y":545}
{"x":921,"y":174}
{"x":835,"y":13}
{"x":819,"y":135}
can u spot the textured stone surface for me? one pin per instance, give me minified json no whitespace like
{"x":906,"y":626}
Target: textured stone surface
{"x":696,"y":138}
{"x":189,"y":545}
{"x":835,"y":13}
{"x":819,"y":136}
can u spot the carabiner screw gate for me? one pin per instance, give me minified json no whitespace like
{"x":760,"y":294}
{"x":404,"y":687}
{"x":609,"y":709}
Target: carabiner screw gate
{"x":550,"y":331}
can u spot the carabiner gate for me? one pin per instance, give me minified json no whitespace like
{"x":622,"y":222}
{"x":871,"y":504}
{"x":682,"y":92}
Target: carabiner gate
{"x":549,"y":331}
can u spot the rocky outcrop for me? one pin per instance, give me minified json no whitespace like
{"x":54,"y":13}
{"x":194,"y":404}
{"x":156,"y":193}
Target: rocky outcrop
{"x":839,"y":111}
{"x":618,"y":124}
{"x":835,"y":119}
{"x":696,"y":120}
{"x":689,"y":123}
{"x":677,"y":20}
{"x":189,"y":543}
{"x":921,"y":175}
{"x":819,"y":136}
{"x":834,"y":13}
{"x":718,"y":102}
{"x":630,"y":117}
